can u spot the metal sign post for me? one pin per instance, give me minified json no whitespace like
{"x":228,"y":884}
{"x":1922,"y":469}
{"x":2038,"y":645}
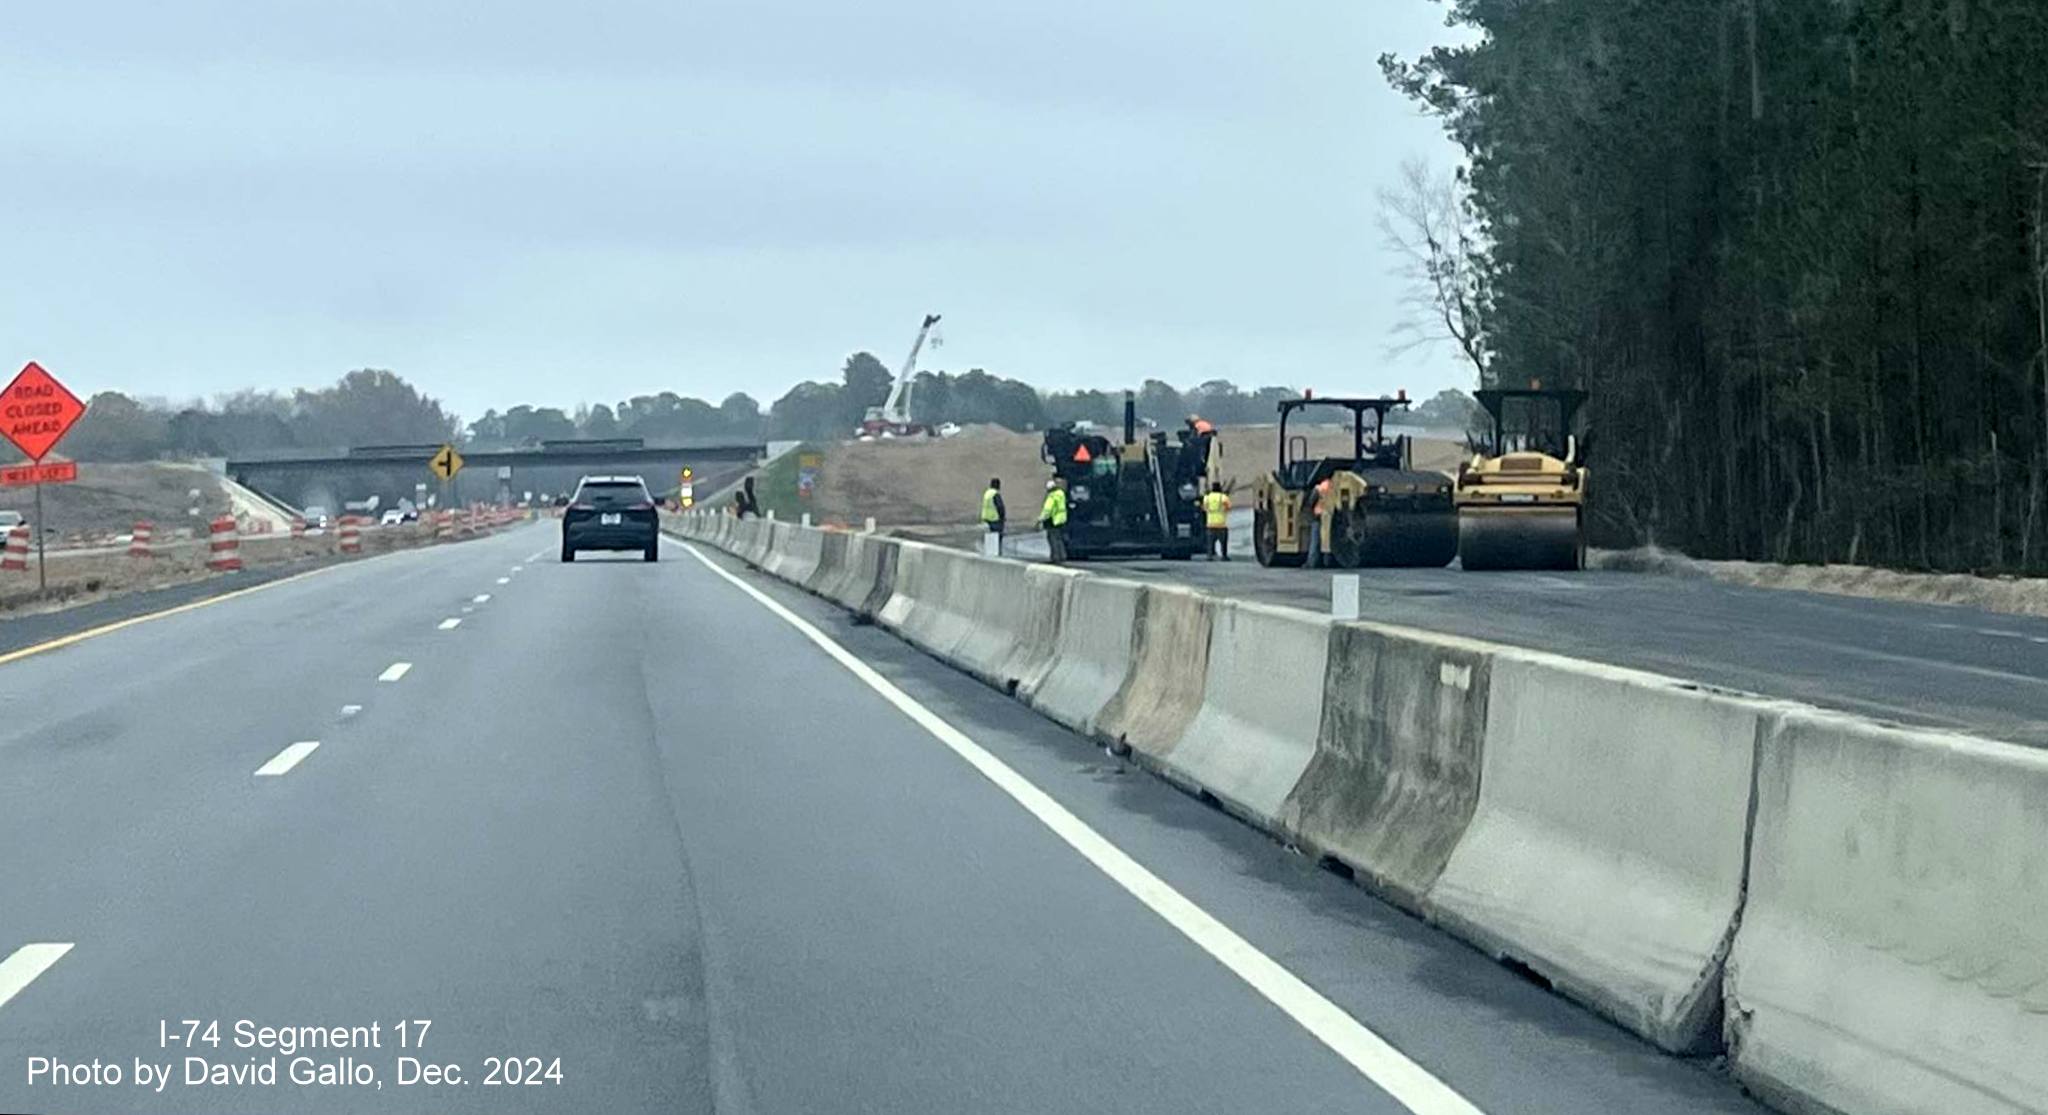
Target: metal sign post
{"x":42,"y":532}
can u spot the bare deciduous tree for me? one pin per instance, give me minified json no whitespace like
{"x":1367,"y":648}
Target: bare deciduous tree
{"x":1428,"y":224}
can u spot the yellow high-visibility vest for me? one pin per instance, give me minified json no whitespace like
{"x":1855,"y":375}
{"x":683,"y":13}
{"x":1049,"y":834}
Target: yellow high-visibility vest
{"x":988,"y":506}
{"x":1055,"y":509}
{"x":1216,"y":506}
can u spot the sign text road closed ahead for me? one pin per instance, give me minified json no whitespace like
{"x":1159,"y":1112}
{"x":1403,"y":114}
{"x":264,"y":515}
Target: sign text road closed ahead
{"x":36,"y":410}
{"x":50,"y":472}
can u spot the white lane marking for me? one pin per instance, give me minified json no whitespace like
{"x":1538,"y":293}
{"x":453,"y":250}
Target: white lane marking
{"x":396,"y":671}
{"x":1995,"y":633}
{"x":1390,"y":1069}
{"x":504,"y":580}
{"x":350,"y":710}
{"x":536,"y":555}
{"x":287,"y":759}
{"x":2036,"y":639}
{"x":450,"y":624}
{"x":468,"y":608}
{"x":518,"y":569}
{"x":480,"y":598}
{"x":24,"y":964}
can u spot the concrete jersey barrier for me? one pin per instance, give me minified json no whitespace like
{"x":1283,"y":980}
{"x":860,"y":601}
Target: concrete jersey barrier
{"x":1163,"y":689}
{"x":1092,"y":656}
{"x":1607,"y":849}
{"x":1395,"y":776}
{"x":831,"y":560}
{"x":1893,"y":956}
{"x":1254,"y":732}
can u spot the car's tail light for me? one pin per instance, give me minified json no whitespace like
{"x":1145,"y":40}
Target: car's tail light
{"x":582,"y":507}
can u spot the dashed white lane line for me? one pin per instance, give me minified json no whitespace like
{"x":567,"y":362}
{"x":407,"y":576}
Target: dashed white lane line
{"x":450,"y":624}
{"x":26,"y":963}
{"x":1409,"y":1083}
{"x":536,"y":556}
{"x":350,"y":710}
{"x":518,"y":569}
{"x":396,"y":671}
{"x":480,"y":598}
{"x":285,"y":760}
{"x":504,"y":580}
{"x":468,"y":608}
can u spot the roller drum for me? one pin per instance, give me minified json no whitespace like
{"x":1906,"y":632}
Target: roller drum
{"x":1491,"y":539}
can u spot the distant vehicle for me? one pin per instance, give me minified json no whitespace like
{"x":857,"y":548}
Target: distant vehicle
{"x":316,"y":517}
{"x":11,"y":519}
{"x":392,"y":517}
{"x":949,"y":429}
{"x":611,"y":513}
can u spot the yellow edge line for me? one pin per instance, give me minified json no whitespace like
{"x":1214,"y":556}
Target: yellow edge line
{"x":63,"y":641}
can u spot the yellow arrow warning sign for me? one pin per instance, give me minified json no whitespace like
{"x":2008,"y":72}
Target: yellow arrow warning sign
{"x":446,"y":463}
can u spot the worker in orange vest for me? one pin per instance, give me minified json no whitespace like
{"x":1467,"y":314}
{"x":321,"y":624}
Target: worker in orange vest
{"x":1319,"y":522}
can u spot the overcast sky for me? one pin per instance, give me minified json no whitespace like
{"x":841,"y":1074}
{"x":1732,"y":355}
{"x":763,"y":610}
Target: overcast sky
{"x":515,"y":201}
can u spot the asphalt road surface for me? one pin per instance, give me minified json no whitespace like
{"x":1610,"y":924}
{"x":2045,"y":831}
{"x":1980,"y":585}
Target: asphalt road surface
{"x":628,"y":822}
{"x":1935,"y":665}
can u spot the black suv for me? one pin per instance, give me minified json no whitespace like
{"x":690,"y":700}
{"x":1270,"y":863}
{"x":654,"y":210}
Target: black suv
{"x":611,"y":513}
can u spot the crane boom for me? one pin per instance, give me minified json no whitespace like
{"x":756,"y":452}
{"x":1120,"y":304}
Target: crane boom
{"x":896,"y":409}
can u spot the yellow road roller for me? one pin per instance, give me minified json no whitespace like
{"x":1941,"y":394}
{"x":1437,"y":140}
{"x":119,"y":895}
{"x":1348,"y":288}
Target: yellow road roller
{"x":1370,"y":507}
{"x":1522,"y":496}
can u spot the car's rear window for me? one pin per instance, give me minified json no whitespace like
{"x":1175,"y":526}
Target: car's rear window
{"x":613,"y":495}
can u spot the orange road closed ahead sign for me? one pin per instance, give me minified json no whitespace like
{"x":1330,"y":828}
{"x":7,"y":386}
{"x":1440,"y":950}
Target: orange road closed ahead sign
{"x":55,"y":472}
{"x":36,"y":410}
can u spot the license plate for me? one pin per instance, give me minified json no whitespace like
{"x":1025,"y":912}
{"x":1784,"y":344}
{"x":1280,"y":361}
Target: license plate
{"x":608,"y":519}
{"x":1518,"y":497}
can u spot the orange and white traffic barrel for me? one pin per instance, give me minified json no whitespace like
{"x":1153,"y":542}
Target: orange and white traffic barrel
{"x":298,"y":526}
{"x":139,"y":541}
{"x":224,"y":546}
{"x":351,"y":535}
{"x":15,"y":555}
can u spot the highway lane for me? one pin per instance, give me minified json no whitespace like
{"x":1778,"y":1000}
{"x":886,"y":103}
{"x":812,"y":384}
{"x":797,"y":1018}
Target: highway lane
{"x":1936,"y":665}
{"x":623,"y":815}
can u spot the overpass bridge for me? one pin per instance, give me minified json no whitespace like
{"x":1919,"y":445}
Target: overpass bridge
{"x":331,"y":478}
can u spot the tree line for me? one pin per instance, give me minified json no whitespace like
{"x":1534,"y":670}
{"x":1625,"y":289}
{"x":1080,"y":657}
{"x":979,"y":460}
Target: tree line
{"x":1797,"y":251}
{"x":373,"y":407}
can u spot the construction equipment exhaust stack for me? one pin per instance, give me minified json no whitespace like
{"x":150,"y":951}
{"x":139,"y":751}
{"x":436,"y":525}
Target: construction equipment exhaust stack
{"x":1130,"y":418}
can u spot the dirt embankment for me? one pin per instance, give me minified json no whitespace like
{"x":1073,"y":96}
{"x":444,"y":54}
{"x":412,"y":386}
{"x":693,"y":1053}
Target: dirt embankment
{"x":107,"y":500}
{"x":937,"y":482}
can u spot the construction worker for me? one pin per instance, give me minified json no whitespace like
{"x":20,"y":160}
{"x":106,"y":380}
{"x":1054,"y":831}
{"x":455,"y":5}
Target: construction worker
{"x":993,"y":513}
{"x":1318,"y":522}
{"x":1052,"y":518}
{"x":1216,"y":512}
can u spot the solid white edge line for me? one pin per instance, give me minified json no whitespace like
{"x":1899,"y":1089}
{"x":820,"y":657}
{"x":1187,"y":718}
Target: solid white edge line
{"x":285,"y":760}
{"x":24,"y":964}
{"x":395,"y":671}
{"x":451,"y":623}
{"x":1378,"y":1061}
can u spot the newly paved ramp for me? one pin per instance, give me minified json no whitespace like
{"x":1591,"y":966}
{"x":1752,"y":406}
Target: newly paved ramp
{"x":624,"y":816}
